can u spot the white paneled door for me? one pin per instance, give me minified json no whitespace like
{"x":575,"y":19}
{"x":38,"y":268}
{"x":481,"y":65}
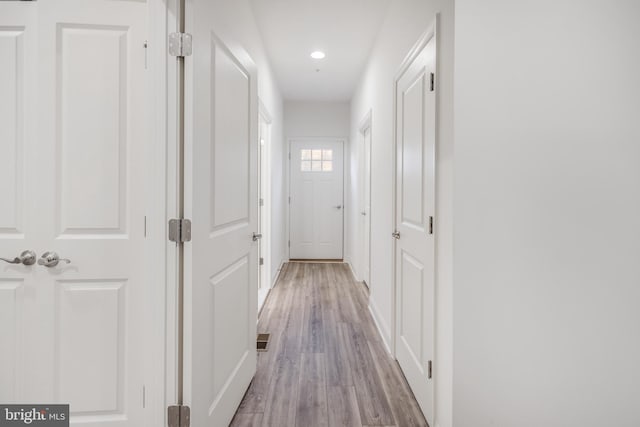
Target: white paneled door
{"x":72,"y":138}
{"x":415,"y":106}
{"x":221,"y":199}
{"x":316,"y":204}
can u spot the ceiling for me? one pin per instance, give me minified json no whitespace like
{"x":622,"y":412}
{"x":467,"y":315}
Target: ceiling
{"x":344,"y":29}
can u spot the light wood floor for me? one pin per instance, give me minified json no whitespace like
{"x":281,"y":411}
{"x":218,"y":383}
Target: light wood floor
{"x":325,"y":365}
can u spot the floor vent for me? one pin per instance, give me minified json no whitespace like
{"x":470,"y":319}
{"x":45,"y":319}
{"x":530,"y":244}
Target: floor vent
{"x":263,"y":342}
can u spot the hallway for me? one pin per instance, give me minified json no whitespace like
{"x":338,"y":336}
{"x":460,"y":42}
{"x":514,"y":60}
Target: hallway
{"x":324,"y":352}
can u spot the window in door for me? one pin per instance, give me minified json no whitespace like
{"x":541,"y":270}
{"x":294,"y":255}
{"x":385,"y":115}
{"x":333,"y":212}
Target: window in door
{"x":314,"y":160}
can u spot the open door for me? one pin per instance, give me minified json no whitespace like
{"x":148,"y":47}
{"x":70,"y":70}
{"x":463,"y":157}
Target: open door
{"x":221,"y":200}
{"x":415,"y":109}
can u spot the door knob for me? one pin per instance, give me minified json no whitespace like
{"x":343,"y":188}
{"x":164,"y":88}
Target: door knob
{"x":338,"y":207}
{"x":257,"y":236}
{"x":51,"y":259}
{"x":396,"y":234}
{"x":25,"y":258}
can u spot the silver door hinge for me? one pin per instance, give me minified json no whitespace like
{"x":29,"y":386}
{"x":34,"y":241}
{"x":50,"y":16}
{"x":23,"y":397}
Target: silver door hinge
{"x":179,"y":230}
{"x":261,"y":261}
{"x":433,"y":83}
{"x":430,"y":369}
{"x":180,"y":44}
{"x":178,"y":416}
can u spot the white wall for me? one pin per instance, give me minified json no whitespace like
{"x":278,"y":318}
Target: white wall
{"x":406,"y":21}
{"x":235,"y":22}
{"x":316,"y":119}
{"x":547,"y":213}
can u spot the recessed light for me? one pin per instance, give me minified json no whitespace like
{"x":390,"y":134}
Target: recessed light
{"x":318,"y":54}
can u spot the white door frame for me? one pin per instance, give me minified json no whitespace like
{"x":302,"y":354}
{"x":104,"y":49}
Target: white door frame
{"x":161,"y":260}
{"x":343,"y":141}
{"x":431,"y":32}
{"x":365,"y":125}
{"x":265,"y":210}
{"x":163,"y":150}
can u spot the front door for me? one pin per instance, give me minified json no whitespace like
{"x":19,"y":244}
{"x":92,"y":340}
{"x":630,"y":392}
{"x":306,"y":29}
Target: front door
{"x":415,"y":108}
{"x":316,"y":204}
{"x":72,"y":136}
{"x":221,"y":199}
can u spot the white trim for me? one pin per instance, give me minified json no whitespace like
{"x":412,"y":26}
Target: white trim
{"x":159,"y":378}
{"x":275,"y":279}
{"x":169,"y":67}
{"x":344,"y":142}
{"x":265,"y":158}
{"x":353,"y":272}
{"x":365,"y":124}
{"x":381,"y":326}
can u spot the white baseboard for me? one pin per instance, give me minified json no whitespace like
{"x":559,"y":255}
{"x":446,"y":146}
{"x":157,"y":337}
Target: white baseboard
{"x":348,"y":262}
{"x":381,"y":326}
{"x":274,"y":279}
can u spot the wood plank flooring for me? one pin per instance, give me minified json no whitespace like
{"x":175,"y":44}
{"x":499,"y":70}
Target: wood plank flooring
{"x":326,"y":364}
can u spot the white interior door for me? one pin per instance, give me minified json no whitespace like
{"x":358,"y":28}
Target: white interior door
{"x":316,"y":205}
{"x":415,"y":185}
{"x":221,"y":199}
{"x":365,"y":206}
{"x":73,"y":121}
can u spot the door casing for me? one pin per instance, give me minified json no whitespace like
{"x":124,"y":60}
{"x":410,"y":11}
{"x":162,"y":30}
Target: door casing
{"x":365,"y":163}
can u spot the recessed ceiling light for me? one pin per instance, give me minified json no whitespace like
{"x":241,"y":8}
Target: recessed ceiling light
{"x":318,"y":54}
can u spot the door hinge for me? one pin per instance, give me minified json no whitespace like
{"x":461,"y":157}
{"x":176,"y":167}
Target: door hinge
{"x":261,"y":202}
{"x":289,"y":199}
{"x":179,"y":416}
{"x":430,"y":225}
{"x":180,"y":44}
{"x":179,"y":230}
{"x":289,"y":155}
{"x":261,"y":261}
{"x":433,"y":83}
{"x":430,"y":369}
{"x":289,"y":243}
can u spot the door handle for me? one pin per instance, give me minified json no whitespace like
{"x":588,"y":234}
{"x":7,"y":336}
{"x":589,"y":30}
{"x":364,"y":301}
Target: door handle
{"x":51,"y":259}
{"x":338,"y":207}
{"x":363,"y":213}
{"x":25,"y":258}
{"x":257,"y":236}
